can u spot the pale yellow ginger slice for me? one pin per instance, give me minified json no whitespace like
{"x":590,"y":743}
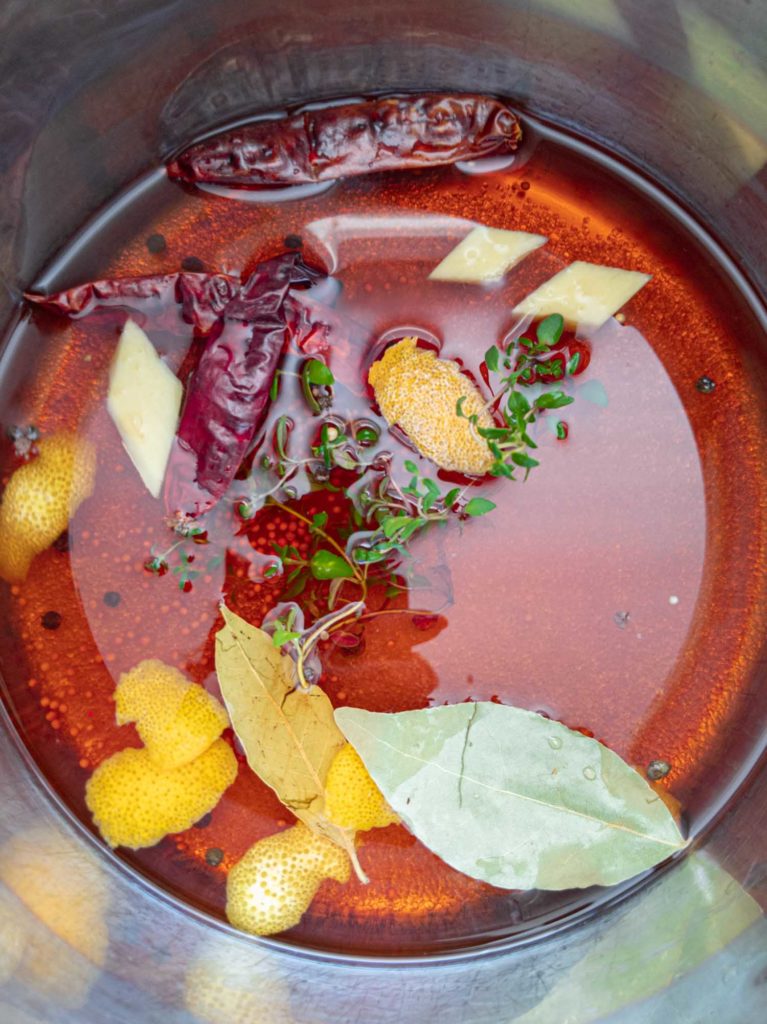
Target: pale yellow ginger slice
{"x":352,"y":799}
{"x":135,"y":804}
{"x":585,"y":294}
{"x":419,"y":392}
{"x":237,"y":984}
{"x":144,"y":401}
{"x":486,"y":254}
{"x":40,"y":499}
{"x":176,"y":719}
{"x":271,"y":888}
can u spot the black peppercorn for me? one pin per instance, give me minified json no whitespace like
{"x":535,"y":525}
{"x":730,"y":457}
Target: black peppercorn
{"x":658,"y":770}
{"x":112,"y":598}
{"x":156,"y":243}
{"x":62,"y":542}
{"x":192,"y":264}
{"x":51,"y":620}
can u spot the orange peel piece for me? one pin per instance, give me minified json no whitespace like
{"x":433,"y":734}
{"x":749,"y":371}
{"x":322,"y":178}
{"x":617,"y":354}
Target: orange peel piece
{"x":352,"y":799}
{"x":176,"y":719}
{"x":419,"y":392}
{"x":41,"y":498}
{"x":271,"y":888}
{"x":135,"y":804}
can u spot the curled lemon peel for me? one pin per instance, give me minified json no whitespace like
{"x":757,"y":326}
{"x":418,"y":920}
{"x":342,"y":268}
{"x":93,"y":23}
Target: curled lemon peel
{"x":352,"y":799}
{"x":419,"y":392}
{"x":271,"y":888}
{"x":135,"y":804}
{"x":40,"y":499}
{"x":176,"y":719}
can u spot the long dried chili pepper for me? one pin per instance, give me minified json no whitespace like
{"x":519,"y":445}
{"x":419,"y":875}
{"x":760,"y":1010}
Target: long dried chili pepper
{"x":385,"y":134}
{"x":203,"y":297}
{"x":244,"y":325}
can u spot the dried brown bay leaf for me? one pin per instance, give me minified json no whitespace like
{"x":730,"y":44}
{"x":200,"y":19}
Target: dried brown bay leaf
{"x":289,"y":735}
{"x":512,"y":798}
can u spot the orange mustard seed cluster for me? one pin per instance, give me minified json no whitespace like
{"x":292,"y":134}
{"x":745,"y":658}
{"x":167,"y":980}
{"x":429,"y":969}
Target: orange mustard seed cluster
{"x":40,"y":499}
{"x":419,"y":392}
{"x":140,"y":795}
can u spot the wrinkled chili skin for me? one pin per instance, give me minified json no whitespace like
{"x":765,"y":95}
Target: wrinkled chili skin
{"x":384,"y":134}
{"x":243,"y":328}
{"x":228,"y":395}
{"x":203,"y":297}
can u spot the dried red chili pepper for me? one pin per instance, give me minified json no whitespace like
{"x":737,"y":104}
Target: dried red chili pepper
{"x":385,"y":134}
{"x":203,"y":297}
{"x":228,"y":395}
{"x":244,"y":325}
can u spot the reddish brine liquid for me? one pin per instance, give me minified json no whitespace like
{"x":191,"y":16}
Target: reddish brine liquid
{"x":619,"y":590}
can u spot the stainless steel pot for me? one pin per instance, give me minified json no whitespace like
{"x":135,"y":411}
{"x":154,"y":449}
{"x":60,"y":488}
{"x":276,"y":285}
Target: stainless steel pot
{"x":91,"y":96}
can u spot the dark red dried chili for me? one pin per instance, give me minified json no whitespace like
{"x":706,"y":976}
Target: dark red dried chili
{"x":228,"y":395}
{"x":203,"y":297}
{"x":384,"y":134}
{"x":244,"y":325}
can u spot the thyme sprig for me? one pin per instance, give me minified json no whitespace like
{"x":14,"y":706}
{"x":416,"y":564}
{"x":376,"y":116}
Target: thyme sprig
{"x":521,"y":363}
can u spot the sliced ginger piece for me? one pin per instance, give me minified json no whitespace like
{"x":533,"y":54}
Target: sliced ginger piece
{"x":144,"y":402}
{"x":40,"y":499}
{"x":271,"y":888}
{"x":135,"y":804}
{"x":352,"y":799}
{"x":176,"y":719}
{"x":585,"y":294}
{"x":419,"y":392}
{"x":486,"y":254}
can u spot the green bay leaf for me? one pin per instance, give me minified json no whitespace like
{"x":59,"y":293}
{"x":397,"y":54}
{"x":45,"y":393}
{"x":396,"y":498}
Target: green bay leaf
{"x":512,"y":798}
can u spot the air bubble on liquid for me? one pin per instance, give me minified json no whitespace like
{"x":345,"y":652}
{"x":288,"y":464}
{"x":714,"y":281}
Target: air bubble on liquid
{"x":487,"y":164}
{"x":394,"y":334}
{"x":269,"y":195}
{"x":555,"y":742}
{"x":589,"y":773}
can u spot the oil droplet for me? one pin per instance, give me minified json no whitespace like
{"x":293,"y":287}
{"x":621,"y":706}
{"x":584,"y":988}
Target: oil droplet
{"x":589,"y":773}
{"x":555,"y":742}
